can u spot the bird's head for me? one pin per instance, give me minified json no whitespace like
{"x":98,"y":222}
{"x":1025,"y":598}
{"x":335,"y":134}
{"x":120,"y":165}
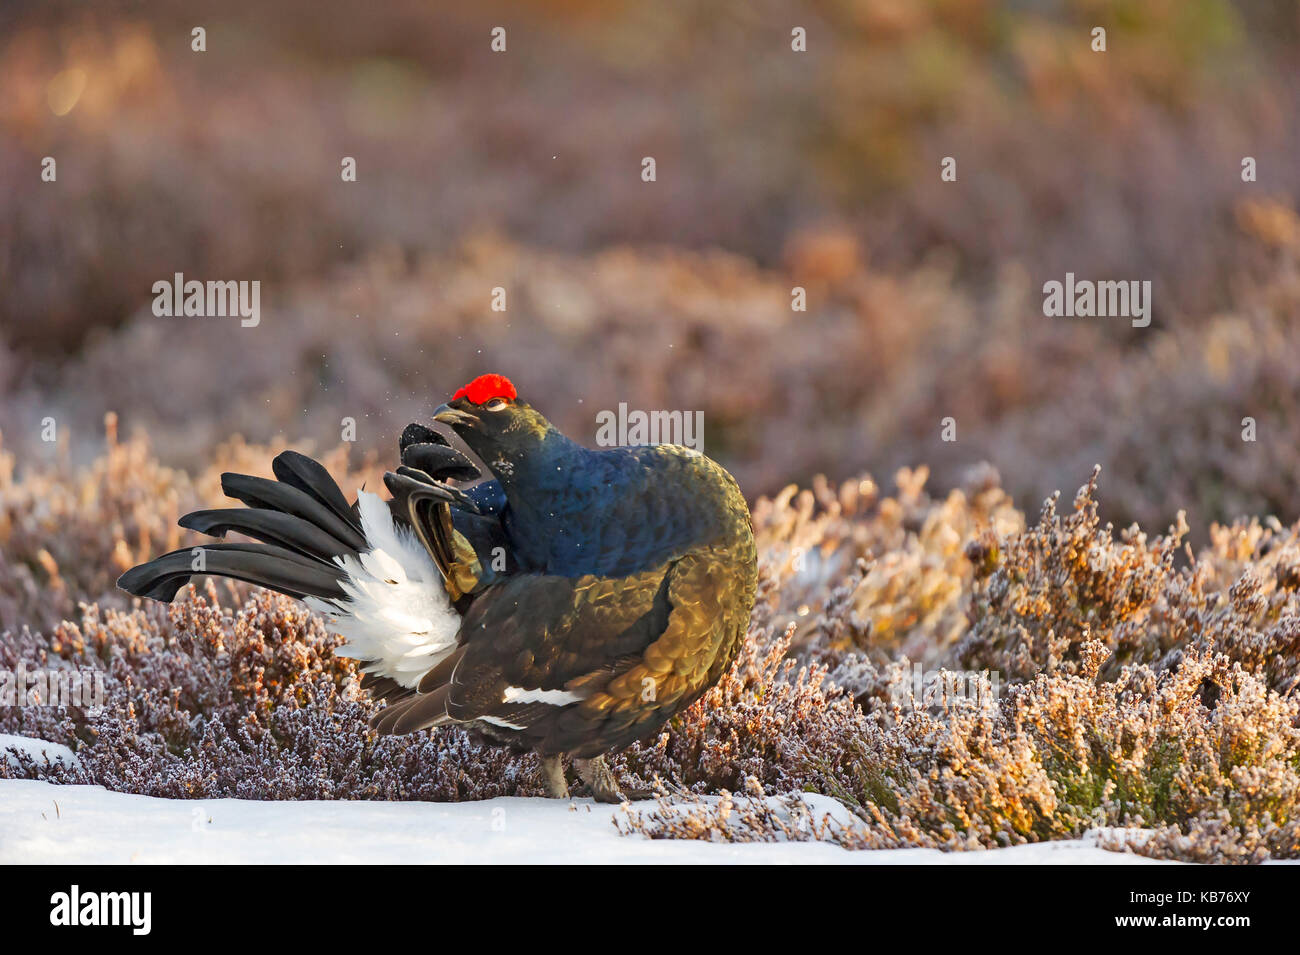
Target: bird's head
{"x":493,"y":420}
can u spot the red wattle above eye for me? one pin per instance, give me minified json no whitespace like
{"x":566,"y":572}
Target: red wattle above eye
{"x":486,"y":387}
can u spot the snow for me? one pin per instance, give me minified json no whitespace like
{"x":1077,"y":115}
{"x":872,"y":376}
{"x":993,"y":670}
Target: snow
{"x":39,"y":750}
{"x":45,"y":823}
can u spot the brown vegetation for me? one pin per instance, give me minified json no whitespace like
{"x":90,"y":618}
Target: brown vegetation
{"x":818,"y":170}
{"x":1136,"y":685}
{"x":1142,"y":679}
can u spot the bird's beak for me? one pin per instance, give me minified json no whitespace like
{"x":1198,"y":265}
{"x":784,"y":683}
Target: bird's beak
{"x":455,"y":417}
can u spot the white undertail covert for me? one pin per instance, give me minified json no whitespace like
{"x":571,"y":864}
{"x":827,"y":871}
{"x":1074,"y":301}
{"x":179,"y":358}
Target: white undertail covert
{"x":397,"y":616}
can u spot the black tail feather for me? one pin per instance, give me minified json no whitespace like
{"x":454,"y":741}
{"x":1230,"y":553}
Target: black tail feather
{"x":311,"y":478}
{"x":266,"y":565}
{"x":276,"y":496}
{"x":441,"y":462}
{"x":415,"y":433}
{"x":303,"y":521}
{"x":272,"y":527}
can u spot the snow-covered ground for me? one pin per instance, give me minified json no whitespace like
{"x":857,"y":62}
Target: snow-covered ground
{"x":44,"y":823}
{"x":37,"y":749}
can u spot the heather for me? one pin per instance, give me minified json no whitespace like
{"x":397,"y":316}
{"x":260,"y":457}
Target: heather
{"x":1130,"y":684}
{"x":1122,"y":647}
{"x":776,"y":170}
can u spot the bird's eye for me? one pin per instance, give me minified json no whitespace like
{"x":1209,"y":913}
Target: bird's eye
{"x":496,"y":404}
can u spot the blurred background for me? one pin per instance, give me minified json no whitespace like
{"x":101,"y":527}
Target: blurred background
{"x":775,"y":169}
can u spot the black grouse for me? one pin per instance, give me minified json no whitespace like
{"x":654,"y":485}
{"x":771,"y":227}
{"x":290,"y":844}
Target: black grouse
{"x":557,"y":599}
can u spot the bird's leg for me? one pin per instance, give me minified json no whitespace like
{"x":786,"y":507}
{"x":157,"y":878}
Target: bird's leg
{"x":596,"y":773}
{"x":553,"y":777}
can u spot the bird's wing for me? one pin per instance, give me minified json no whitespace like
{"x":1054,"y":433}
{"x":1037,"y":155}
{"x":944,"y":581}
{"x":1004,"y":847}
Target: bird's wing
{"x":579,"y":665}
{"x":460,"y":528}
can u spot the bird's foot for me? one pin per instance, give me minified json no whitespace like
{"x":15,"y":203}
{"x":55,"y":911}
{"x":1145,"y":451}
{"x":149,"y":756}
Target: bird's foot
{"x":552,"y":772}
{"x":600,"y":778}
